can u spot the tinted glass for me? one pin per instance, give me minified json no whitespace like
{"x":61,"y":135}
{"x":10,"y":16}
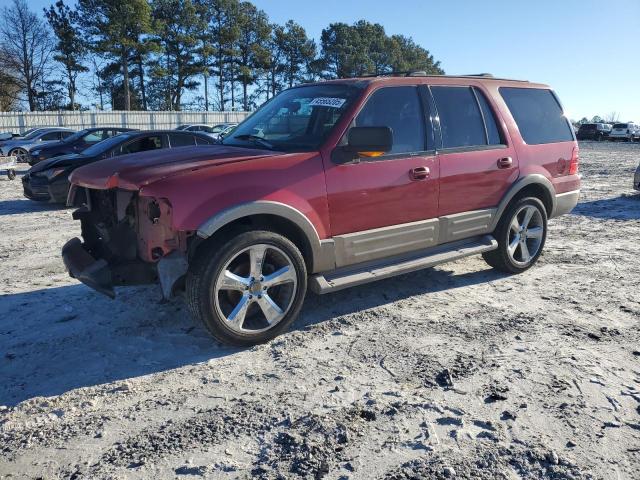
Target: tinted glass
{"x":460,"y":119}
{"x":105,"y":145}
{"x":95,"y":136}
{"x":398,"y":108}
{"x":182,"y":140}
{"x":298,"y":119}
{"x":143,"y":144}
{"x":537,"y":114}
{"x":621,"y":125}
{"x":66,"y":134}
{"x":493,"y":133}
{"x":51,"y":136}
{"x":204,"y":141}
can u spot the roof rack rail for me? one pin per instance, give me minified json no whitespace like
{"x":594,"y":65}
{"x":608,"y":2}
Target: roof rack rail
{"x":422,"y":73}
{"x":488,"y":75}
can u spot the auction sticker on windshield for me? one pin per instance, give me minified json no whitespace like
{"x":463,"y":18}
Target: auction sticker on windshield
{"x":327,"y":102}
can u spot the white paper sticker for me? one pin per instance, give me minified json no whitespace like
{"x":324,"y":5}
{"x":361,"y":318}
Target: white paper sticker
{"x":327,"y":102}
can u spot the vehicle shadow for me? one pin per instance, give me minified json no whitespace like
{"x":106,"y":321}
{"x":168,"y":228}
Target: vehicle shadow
{"x":321,"y":308}
{"x":624,"y":207}
{"x":58,"y":339}
{"x":17,"y":207}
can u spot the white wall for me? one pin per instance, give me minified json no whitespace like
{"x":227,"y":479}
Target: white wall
{"x":18,"y":122}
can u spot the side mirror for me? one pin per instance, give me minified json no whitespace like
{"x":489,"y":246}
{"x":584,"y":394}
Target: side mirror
{"x":370,"y":141}
{"x":364,"y":142}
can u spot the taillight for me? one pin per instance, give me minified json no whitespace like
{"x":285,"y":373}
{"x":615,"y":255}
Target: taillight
{"x":575,"y":160}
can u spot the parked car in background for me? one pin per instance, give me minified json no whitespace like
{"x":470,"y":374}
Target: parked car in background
{"x":75,"y":143}
{"x":331,"y":185}
{"x":226,"y":130}
{"x":625,"y":131}
{"x":636,"y":179}
{"x":593,"y":131}
{"x":216,"y":131}
{"x":48,"y":179}
{"x":40,"y":137}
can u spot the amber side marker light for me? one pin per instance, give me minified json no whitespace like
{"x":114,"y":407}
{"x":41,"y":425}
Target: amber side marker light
{"x":371,"y":154}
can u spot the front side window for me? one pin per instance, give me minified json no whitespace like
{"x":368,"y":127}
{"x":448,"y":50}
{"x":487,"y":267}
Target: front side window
{"x":400,"y":109}
{"x":178,"y":140}
{"x":538,"y":115}
{"x":298,"y":119}
{"x":461,"y":123}
{"x":142,"y":145}
{"x":51,"y":136}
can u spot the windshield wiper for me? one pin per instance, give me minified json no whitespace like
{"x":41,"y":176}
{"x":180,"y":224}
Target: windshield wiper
{"x":255,"y":139}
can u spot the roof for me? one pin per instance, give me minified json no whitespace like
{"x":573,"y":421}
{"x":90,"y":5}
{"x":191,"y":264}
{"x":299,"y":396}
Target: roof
{"x":411,"y":77}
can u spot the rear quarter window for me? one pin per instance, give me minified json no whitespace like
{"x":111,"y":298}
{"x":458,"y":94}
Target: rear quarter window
{"x":538,"y":115}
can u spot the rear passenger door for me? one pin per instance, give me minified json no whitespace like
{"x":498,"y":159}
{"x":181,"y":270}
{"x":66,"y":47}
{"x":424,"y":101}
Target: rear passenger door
{"x":477,"y":162}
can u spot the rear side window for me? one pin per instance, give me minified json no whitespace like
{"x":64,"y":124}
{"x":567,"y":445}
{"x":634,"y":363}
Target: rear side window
{"x":400,"y":109}
{"x":538,"y":115}
{"x":493,"y":134}
{"x":181,"y":140}
{"x":461,"y":122}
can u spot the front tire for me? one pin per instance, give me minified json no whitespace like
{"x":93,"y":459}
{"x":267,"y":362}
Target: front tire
{"x":22,"y":156}
{"x":249,"y":289}
{"x":521,"y":235}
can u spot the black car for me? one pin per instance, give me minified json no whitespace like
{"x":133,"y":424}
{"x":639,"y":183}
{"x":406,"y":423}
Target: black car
{"x":49,"y":179}
{"x":593,"y":131}
{"x":76,"y":143}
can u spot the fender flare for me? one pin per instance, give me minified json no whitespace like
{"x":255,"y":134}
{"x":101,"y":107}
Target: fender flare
{"x":321,"y":251}
{"x":532,"y":179}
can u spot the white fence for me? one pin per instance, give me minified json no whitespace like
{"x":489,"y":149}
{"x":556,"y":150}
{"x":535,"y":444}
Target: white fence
{"x":18,"y":122}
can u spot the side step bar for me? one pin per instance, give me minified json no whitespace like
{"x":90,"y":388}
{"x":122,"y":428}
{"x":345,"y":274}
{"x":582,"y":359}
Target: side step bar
{"x":322,"y":283}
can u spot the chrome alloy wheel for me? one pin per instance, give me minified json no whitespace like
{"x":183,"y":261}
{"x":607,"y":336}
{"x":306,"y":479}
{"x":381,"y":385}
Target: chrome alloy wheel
{"x":255,"y":289}
{"x":525,"y":235}
{"x":21,"y":155}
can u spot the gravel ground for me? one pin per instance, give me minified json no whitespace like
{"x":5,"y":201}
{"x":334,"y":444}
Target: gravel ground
{"x":453,"y":372}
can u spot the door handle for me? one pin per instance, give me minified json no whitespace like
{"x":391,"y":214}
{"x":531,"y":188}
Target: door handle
{"x":505,"y":162}
{"x":419,"y":173}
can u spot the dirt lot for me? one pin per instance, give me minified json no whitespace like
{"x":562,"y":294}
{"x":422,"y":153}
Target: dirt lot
{"x":456,"y":371}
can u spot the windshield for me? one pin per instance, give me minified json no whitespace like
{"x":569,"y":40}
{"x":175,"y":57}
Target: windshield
{"x":76,"y":135}
{"x":588,"y":126}
{"x":219,"y":128}
{"x":35,"y":133}
{"x":620,"y":125}
{"x":101,"y":147}
{"x":298,"y":119}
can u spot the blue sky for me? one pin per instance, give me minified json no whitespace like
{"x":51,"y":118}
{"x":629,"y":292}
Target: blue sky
{"x":587,"y":50}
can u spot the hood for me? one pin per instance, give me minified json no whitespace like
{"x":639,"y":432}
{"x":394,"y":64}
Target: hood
{"x":61,"y":161}
{"x":131,"y":172}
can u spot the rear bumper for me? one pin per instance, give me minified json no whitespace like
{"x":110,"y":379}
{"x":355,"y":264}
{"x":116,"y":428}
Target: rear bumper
{"x":565,"y":202}
{"x":82,"y":266}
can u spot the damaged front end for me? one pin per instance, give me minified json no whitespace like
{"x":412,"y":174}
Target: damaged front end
{"x":127,"y":240}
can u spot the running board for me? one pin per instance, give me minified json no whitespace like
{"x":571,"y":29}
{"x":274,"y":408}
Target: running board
{"x":377,"y":270}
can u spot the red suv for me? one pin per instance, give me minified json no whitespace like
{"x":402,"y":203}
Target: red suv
{"x":327,"y":186}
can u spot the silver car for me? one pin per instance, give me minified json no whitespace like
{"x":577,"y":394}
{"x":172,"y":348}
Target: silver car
{"x":217,"y":131}
{"x":19,"y":146}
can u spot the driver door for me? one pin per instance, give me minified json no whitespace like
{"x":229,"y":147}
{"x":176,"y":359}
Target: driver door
{"x":387,"y":205}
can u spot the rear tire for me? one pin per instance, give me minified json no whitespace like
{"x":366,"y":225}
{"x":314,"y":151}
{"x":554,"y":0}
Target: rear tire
{"x":248,"y":289}
{"x":521,"y":235}
{"x":11,"y":174}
